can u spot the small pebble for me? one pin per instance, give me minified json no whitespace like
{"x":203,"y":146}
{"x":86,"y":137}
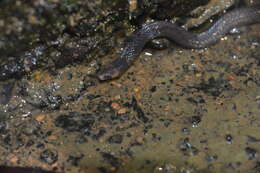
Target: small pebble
{"x":40,"y":117}
{"x":195,"y":120}
{"x":257,"y":166}
{"x":122,"y":111}
{"x":139,"y":140}
{"x":14,"y":160}
{"x":153,"y":89}
{"x":117,"y":97}
{"x":210,"y":158}
{"x":185,"y":130}
{"x":115,"y":139}
{"x":137,"y":90}
{"x":52,"y":137}
{"x":251,"y":153}
{"x":229,"y":139}
{"x":115,"y":105}
{"x":49,"y":156}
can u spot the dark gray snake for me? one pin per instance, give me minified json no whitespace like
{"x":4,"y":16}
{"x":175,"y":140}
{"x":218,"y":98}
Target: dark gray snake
{"x":173,"y":32}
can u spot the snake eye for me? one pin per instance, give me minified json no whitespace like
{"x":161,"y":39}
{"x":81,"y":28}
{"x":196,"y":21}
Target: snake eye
{"x":104,"y":76}
{"x":108,"y":73}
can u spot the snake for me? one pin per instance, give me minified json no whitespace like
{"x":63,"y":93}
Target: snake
{"x":237,"y":17}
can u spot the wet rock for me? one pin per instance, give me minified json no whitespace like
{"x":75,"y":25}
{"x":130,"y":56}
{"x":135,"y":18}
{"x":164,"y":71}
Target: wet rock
{"x":7,"y":140}
{"x":111,"y":159}
{"x":203,"y":14}
{"x":153,"y":89}
{"x":18,"y":141}
{"x":243,"y":70}
{"x":187,"y":148}
{"x":166,"y":168}
{"x":195,"y":120}
{"x":92,"y":96}
{"x":70,"y":97}
{"x":6,"y":92}
{"x":13,"y":141}
{"x":75,"y":122}
{"x":210,"y":158}
{"x":89,"y":82}
{"x":251,"y":153}
{"x":30,"y":60}
{"x":101,"y":107}
{"x":234,"y":165}
{"x":115,"y":105}
{"x":258,"y":101}
{"x":29,"y":143}
{"x":74,"y":160}
{"x":140,"y":114}
{"x":31,"y":128}
{"x":122,"y":111}
{"x":5,"y":169}
{"x":196,"y":100}
{"x":185,"y":130}
{"x":101,"y":132}
{"x":21,"y":89}
{"x":139,"y":140}
{"x":3,"y":127}
{"x":104,"y":170}
{"x":81,"y":139}
{"x":115,"y":139}
{"x":166,"y":122}
{"x":224,"y":65}
{"x":257,"y":166}
{"x":156,"y":137}
{"x":37,"y":99}
{"x":166,"y":9}
{"x":190,"y":68}
{"x":12,"y":69}
{"x":32,"y":43}
{"x":40,"y":146}
{"x":54,"y":102}
{"x":214,"y":86}
{"x":69,"y":75}
{"x":252,"y":139}
{"x":49,"y":156}
{"x":21,"y":64}
{"x":229,"y":138}
{"x":81,"y":86}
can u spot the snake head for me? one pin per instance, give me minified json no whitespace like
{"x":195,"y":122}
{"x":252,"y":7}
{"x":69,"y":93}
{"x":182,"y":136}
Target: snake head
{"x":113,"y":70}
{"x":108,"y":73}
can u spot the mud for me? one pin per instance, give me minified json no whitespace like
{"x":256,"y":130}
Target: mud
{"x":174,"y":110}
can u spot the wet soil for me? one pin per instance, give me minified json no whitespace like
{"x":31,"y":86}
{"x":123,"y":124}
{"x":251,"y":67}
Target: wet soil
{"x":174,"y":110}
{"x":195,"y":109}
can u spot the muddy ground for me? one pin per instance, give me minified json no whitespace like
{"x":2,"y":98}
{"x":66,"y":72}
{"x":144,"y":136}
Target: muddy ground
{"x":174,"y":110}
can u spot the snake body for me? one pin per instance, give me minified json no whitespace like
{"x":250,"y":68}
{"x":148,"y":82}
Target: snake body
{"x":133,"y":47}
